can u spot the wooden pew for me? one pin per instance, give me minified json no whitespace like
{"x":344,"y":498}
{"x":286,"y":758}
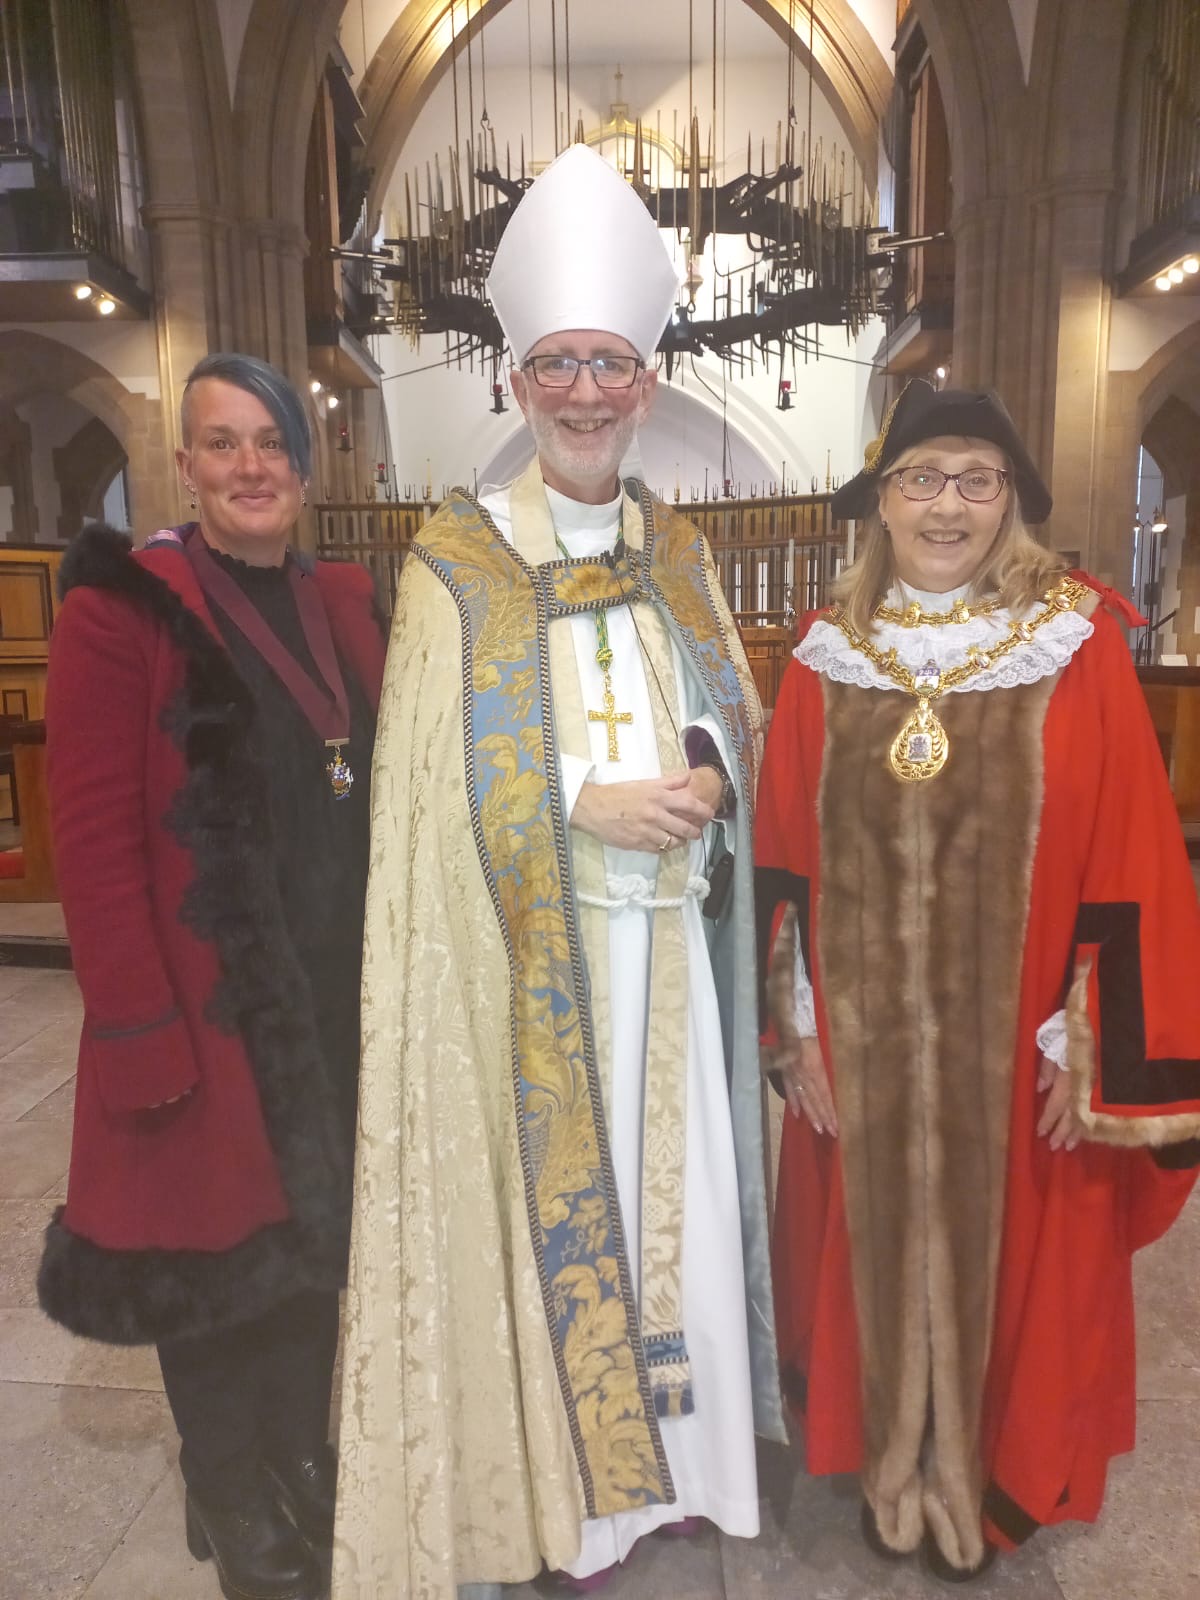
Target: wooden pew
{"x":37,"y":882}
{"x":768,"y":651}
{"x":1173,"y":696}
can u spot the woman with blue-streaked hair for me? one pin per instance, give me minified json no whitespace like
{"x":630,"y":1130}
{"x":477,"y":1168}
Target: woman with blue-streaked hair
{"x":210,"y":723}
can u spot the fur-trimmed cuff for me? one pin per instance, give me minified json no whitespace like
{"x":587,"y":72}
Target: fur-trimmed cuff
{"x":143,"y":1065}
{"x":1136,"y":1129}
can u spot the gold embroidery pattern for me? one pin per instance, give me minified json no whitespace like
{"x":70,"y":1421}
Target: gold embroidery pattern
{"x":683,"y":578}
{"x":570,"y":1189}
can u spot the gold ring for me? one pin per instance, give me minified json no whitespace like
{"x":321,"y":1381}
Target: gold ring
{"x":665,"y":845}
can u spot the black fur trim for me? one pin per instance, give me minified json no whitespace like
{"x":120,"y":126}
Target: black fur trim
{"x":220,"y":815}
{"x":98,"y":558}
{"x":142,"y":1296}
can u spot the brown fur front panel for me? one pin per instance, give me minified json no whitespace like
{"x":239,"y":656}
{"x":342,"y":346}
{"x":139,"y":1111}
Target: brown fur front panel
{"x":924,"y":898}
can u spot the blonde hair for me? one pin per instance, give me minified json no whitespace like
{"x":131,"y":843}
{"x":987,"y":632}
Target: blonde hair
{"x":1017,"y":569}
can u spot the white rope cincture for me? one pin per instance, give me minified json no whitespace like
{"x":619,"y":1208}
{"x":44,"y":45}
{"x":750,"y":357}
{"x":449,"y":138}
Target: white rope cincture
{"x":636,"y":890}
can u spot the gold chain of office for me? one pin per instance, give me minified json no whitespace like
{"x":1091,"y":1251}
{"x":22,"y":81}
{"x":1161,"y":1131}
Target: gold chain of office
{"x":915,"y":616}
{"x":922,"y":746}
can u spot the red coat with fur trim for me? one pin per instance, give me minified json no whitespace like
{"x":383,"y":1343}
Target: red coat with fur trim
{"x":1112,"y":926}
{"x":204,"y":1180}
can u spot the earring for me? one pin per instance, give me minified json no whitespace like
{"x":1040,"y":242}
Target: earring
{"x":884,"y":526}
{"x":304,"y":497}
{"x":191,"y":489}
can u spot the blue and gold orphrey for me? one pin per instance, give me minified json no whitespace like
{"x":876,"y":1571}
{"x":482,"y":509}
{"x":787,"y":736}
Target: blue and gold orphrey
{"x":506,"y":606}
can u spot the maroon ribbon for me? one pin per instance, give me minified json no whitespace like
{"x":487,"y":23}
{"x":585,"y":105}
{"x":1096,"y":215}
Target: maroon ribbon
{"x":328,"y":711}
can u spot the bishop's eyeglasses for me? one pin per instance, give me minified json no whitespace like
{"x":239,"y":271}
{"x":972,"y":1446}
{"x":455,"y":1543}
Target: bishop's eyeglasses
{"x":977,"y":484}
{"x":560,"y":372}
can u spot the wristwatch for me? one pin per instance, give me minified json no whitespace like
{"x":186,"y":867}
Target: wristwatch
{"x":728,"y":792}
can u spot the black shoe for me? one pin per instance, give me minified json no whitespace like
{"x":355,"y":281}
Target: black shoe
{"x":258,"y":1553}
{"x":306,"y":1487}
{"x":944,"y":1570}
{"x":872,"y":1537}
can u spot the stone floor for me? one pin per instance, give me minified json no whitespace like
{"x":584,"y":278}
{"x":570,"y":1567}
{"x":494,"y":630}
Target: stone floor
{"x":91,"y":1504}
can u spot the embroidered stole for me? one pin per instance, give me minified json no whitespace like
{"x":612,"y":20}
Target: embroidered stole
{"x":665,"y":1094}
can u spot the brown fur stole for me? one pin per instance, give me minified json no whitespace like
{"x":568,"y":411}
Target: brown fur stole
{"x":921,"y":922}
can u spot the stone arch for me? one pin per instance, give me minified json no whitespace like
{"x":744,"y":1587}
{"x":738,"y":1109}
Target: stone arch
{"x":1134,"y":399}
{"x":85,"y":467}
{"x":32,"y":363}
{"x":1172,"y":436}
{"x":282,"y":60}
{"x":978,"y":62}
{"x":1172,"y":371}
{"x":415,"y":53}
{"x":283,"y":57}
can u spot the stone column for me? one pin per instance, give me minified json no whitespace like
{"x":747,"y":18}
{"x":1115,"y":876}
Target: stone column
{"x":194,"y":305}
{"x":16,"y":473}
{"x":154,"y":498}
{"x":274,"y":318}
{"x":273,"y":254}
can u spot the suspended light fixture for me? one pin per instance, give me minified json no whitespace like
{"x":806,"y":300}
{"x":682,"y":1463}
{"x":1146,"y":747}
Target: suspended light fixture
{"x":815,"y":254}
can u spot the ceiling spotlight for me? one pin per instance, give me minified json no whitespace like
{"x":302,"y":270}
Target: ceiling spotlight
{"x":83,"y":291}
{"x":1158,"y":525}
{"x":1162,"y":282}
{"x":1191,"y":264}
{"x":941,"y":373}
{"x":106,"y":306}
{"x":332,"y":402}
{"x":1176,"y":274}
{"x":316,"y":386}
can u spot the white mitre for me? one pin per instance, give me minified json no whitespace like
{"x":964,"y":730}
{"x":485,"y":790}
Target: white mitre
{"x":582,"y":251}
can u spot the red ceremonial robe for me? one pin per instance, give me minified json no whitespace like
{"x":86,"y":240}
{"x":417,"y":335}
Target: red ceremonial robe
{"x":1112,"y":921}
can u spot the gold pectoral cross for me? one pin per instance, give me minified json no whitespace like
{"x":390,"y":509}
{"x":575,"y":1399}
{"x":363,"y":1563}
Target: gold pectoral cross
{"x":611,"y":716}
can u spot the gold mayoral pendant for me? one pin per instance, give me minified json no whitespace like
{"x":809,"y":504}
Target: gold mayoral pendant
{"x":920,"y":749}
{"x":341,"y":779}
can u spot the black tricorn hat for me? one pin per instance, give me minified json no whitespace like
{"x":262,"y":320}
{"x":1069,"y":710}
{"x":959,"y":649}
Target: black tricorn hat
{"x":922,"y":412}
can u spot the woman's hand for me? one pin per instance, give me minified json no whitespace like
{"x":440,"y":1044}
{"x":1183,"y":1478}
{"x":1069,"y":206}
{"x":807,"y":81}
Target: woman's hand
{"x":806,"y":1083}
{"x":647,"y":814}
{"x":173,"y":1101}
{"x":1058,"y":1118}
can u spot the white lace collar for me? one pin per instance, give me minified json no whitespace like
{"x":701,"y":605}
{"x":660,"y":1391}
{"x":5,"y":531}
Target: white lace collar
{"x":825,"y":648}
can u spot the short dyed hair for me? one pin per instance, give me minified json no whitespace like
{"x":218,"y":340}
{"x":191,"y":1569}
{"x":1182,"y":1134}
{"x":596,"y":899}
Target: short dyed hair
{"x":265,"y":383}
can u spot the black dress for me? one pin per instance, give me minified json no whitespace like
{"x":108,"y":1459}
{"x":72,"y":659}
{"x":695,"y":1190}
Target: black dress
{"x":321,"y":842}
{"x":262,"y":1388}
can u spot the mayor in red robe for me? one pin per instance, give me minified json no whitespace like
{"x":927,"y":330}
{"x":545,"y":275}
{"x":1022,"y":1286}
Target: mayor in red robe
{"x":979,"y":938}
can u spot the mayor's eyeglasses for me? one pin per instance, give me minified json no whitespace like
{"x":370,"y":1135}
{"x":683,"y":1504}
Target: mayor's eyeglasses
{"x":977,"y":484}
